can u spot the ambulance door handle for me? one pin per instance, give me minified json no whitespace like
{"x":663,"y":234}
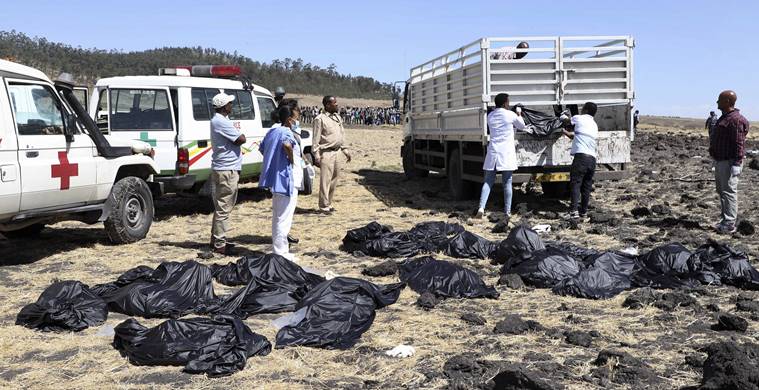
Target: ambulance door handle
{"x":32,"y":154}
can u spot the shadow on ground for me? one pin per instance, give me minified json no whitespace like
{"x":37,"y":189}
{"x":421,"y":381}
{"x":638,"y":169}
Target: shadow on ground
{"x":50,"y":241}
{"x":431,"y":193}
{"x":190,"y":204}
{"x":238,"y":250}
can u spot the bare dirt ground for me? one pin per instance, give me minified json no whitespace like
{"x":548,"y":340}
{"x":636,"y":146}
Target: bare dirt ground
{"x":669,"y":169}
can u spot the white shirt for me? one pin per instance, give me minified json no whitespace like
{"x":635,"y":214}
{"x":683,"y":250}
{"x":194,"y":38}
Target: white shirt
{"x":586,"y":133}
{"x":501,"y":154}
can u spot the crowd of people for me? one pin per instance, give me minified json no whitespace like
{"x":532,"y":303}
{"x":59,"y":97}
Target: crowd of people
{"x":366,"y":116}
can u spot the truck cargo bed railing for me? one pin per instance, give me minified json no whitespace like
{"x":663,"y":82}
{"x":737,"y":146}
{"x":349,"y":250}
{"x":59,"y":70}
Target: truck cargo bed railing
{"x":555,"y":70}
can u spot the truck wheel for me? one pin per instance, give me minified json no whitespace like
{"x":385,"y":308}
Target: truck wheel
{"x":407,"y":155}
{"x":26,"y":232}
{"x":460,"y":189}
{"x":557,"y":190}
{"x":131,"y":211}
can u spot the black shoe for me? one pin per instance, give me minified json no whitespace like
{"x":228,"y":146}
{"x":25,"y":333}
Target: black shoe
{"x":226,"y":250}
{"x":292,"y":240}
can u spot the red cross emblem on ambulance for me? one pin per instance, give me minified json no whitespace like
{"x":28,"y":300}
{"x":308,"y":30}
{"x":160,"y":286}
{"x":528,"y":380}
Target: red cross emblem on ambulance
{"x":64,"y":170}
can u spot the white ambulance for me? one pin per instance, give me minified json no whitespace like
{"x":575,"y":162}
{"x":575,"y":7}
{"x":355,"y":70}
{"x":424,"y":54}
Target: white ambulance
{"x":172,"y":112}
{"x":56,"y":165}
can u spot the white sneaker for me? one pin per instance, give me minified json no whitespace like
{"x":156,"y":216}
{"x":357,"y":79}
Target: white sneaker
{"x":479,"y":214}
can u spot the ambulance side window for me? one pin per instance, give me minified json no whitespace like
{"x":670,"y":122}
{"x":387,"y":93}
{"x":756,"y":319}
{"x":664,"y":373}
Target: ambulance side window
{"x":140,"y":109}
{"x":202,"y":108}
{"x":266,"y":105}
{"x":37,"y":109}
{"x":101,"y":116}
{"x":242,"y":106}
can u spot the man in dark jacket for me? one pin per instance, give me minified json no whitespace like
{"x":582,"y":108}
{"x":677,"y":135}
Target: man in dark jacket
{"x":727,"y":146}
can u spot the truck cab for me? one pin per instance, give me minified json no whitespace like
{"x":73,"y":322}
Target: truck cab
{"x":172,"y":111}
{"x":55,"y":165}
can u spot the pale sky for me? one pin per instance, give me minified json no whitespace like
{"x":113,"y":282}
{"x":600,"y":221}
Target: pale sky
{"x":686,"y":51}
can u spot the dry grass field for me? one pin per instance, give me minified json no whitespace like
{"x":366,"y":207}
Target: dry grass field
{"x":374,"y":188}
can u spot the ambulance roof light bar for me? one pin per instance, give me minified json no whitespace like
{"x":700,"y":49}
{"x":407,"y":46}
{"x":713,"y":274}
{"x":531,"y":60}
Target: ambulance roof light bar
{"x":221,"y":71}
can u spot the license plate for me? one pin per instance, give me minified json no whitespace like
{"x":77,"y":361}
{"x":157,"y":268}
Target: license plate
{"x":551,"y":177}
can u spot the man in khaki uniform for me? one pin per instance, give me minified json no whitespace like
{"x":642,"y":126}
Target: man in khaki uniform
{"x":328,"y":143}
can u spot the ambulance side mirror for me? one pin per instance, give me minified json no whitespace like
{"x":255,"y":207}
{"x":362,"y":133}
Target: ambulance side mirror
{"x":69,"y":128}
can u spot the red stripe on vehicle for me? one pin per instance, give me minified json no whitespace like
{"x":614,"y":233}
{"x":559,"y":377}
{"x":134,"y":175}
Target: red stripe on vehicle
{"x":198,"y":156}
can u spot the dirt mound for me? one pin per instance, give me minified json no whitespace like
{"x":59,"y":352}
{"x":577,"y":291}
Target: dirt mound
{"x":512,"y":281}
{"x":467,"y":371}
{"x":514,"y":324}
{"x":622,"y":368}
{"x":427,"y":301}
{"x":746,"y":228}
{"x":517,"y":377}
{"x":731,"y":366}
{"x":579,"y":338}
{"x":473,"y":319}
{"x":385,"y":268}
{"x":470,"y":371}
{"x":668,"y":301}
{"x":729,"y":322}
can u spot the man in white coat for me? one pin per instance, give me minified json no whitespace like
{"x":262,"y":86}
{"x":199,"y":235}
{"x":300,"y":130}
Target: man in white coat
{"x":501,"y":155}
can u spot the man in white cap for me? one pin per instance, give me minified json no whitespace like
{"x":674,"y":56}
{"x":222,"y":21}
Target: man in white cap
{"x":226,"y":163}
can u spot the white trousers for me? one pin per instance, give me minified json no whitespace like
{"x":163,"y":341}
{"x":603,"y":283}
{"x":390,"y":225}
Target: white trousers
{"x":283,"y":209}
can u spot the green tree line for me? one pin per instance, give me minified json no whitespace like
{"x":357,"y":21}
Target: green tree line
{"x":88,"y":65}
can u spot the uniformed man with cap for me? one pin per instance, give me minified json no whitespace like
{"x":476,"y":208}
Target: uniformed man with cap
{"x":279,"y":94}
{"x":226,"y":163}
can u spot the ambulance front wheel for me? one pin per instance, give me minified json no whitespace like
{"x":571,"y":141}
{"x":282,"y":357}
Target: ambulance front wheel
{"x":131,"y":211}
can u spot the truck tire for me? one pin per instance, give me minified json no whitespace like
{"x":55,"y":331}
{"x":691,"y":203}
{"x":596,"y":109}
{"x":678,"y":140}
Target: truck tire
{"x":407,"y":156}
{"x":556,"y":190}
{"x":30,"y":231}
{"x":460,"y":189}
{"x":131,"y":212}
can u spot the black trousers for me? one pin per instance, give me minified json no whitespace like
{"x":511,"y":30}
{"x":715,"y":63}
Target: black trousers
{"x":581,"y":181}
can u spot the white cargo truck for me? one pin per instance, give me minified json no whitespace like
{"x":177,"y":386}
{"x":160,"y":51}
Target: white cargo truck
{"x":55,"y":165}
{"x":446,"y":102}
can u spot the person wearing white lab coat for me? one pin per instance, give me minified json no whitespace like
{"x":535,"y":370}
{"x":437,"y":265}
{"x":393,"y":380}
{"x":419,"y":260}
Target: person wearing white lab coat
{"x":501,"y":154}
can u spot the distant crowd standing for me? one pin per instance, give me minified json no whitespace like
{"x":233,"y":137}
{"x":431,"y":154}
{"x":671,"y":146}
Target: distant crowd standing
{"x":367,"y":116}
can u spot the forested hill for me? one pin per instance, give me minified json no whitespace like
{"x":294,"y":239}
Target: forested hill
{"x":88,"y":65}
